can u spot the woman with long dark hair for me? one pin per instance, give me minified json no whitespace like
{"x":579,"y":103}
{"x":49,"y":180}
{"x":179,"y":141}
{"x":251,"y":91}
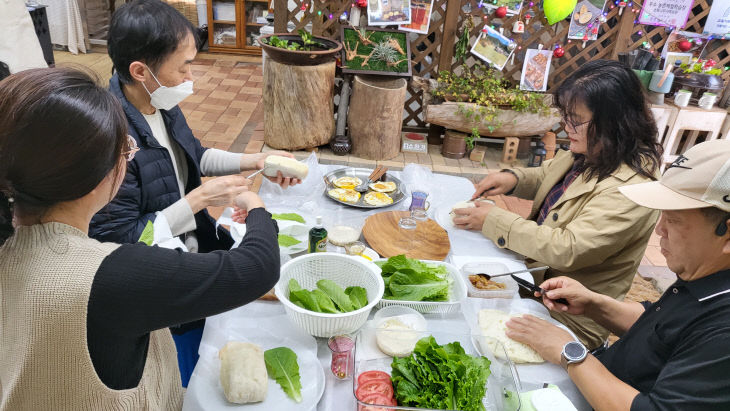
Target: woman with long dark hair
{"x":580,"y":224}
{"x":84,"y":323}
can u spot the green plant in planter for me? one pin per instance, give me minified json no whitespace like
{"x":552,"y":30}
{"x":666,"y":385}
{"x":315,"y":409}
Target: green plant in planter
{"x":307,"y":44}
{"x":483,"y":87}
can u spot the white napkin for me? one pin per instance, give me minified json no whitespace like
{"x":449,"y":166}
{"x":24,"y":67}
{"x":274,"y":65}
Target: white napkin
{"x":163,"y":234}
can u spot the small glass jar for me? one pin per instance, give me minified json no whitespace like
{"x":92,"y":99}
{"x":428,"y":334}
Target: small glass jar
{"x":355,"y":248}
{"x":343,"y":356}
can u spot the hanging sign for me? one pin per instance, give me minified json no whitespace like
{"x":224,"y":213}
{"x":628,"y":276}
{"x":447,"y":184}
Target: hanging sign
{"x":672,"y":13}
{"x":718,"y":21}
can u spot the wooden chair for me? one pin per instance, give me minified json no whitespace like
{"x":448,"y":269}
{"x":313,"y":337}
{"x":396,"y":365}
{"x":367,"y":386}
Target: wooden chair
{"x":693,"y":119}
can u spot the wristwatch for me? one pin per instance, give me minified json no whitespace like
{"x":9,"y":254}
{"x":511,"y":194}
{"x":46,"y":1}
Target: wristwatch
{"x":573,"y":353}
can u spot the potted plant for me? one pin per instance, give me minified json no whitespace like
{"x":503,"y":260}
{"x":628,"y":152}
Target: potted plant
{"x":303,"y":49}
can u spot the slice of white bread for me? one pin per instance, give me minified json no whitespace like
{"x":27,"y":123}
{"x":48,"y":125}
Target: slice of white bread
{"x":289,"y":167}
{"x":243,"y":372}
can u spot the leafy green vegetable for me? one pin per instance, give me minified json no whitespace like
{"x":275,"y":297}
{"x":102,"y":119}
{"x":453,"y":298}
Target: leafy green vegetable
{"x":328,"y":297}
{"x":287,"y":240}
{"x":325,"y":303}
{"x":358,"y":296}
{"x":413,"y":280}
{"x":148,"y":234}
{"x":281,"y":365}
{"x":288,"y":216}
{"x":336,"y":293}
{"x":440,"y":376}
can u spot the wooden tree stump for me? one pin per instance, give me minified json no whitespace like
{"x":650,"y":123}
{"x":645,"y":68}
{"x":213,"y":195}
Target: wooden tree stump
{"x":375,"y":117}
{"x":298,"y":105}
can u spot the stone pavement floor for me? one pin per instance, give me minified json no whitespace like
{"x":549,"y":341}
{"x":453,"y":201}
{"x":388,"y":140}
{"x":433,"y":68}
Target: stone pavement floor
{"x":225,"y":112}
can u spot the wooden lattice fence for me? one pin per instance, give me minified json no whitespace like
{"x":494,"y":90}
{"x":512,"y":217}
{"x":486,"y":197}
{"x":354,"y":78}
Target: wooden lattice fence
{"x":434,"y":51}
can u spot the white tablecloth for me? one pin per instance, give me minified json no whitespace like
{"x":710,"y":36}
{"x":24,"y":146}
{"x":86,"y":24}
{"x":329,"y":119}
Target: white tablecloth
{"x":444,"y":191}
{"x":65,"y":24}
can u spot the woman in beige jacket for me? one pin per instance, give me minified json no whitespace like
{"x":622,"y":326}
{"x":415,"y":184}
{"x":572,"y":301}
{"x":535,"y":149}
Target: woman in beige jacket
{"x":580,"y":225}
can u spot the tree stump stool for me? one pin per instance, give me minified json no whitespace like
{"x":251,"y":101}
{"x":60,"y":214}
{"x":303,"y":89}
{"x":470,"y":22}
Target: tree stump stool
{"x":376,"y":116}
{"x":298,"y":105}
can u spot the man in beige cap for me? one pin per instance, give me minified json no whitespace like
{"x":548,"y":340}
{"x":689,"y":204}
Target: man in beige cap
{"x":674,"y":353}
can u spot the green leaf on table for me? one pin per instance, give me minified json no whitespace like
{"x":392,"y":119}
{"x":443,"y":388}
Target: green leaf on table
{"x":281,"y":365}
{"x":413,"y":280}
{"x":358,"y":296}
{"x":325,"y":303}
{"x":288,"y":216}
{"x":148,"y":234}
{"x":336,"y":293}
{"x":287,"y":240}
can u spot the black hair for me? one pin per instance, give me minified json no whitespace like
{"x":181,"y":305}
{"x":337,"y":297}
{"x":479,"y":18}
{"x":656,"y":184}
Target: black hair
{"x":147,"y":31}
{"x":622,"y":129}
{"x":4,"y":70}
{"x":61,"y":134}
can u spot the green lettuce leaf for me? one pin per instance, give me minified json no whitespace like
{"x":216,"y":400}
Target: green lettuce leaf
{"x":288,"y":216}
{"x":336,"y":293}
{"x":358,"y":297}
{"x":281,"y":365}
{"x":413,"y":280}
{"x":148,"y":234}
{"x":440,"y":376}
{"x":287,"y":240}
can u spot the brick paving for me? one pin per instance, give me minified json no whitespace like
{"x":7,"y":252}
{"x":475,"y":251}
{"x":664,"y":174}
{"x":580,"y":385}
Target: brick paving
{"x":225,"y":112}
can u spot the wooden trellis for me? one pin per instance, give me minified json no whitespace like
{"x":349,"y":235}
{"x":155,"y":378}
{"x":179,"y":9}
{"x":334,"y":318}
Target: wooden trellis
{"x":434,"y":51}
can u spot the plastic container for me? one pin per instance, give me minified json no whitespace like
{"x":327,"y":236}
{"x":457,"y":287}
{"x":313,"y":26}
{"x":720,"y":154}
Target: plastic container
{"x":408,"y":316}
{"x":344,"y":270}
{"x":490,"y":268}
{"x":344,"y":227}
{"x":458,"y":295}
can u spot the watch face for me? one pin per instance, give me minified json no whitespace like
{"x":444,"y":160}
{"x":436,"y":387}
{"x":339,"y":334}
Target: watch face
{"x":574,"y":350}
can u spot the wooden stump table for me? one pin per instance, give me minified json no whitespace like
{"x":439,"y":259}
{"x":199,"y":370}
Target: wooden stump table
{"x":298,"y":105}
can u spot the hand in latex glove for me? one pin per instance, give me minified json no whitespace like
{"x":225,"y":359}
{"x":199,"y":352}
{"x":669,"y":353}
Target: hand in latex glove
{"x":545,"y":338}
{"x":472,"y":218}
{"x":495,"y":184}
{"x":217,"y":192}
{"x":246,"y":202}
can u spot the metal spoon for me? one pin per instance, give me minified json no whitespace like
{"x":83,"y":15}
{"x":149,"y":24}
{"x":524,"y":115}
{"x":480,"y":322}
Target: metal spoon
{"x":526,"y":270}
{"x":364,"y":186}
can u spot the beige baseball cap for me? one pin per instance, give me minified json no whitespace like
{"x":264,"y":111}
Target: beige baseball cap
{"x":698,"y":178}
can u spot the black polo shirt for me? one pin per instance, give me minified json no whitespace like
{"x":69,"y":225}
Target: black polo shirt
{"x":677,"y":354}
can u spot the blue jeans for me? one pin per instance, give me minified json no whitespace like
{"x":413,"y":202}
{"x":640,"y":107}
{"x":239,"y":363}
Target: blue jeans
{"x":187,"y":345}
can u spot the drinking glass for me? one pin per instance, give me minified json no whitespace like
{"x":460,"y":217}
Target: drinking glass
{"x":343,"y":356}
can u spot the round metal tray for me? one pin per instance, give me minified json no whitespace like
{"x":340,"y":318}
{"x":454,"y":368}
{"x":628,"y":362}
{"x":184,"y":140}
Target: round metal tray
{"x":363,"y":173}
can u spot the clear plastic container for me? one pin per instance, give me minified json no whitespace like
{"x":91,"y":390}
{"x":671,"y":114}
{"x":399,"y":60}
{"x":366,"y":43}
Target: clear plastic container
{"x":491,"y":268}
{"x":344,"y":227}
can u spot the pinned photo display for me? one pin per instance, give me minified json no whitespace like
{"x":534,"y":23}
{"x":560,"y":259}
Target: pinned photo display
{"x":493,"y":47}
{"x":513,"y":6}
{"x":718,"y":21}
{"x":685,"y":58}
{"x":420,"y":17}
{"x":536,"y":69}
{"x":387,"y":12}
{"x":684,"y":42}
{"x":671,"y":13}
{"x":586,"y":20}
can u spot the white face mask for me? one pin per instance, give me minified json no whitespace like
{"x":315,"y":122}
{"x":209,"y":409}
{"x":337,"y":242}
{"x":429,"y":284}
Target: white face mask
{"x":165,"y":98}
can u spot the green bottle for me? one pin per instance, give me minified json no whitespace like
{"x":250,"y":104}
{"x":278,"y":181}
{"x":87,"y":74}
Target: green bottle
{"x":318,"y":238}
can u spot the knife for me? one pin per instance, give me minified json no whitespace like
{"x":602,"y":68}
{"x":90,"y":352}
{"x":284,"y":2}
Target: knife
{"x":535,"y":289}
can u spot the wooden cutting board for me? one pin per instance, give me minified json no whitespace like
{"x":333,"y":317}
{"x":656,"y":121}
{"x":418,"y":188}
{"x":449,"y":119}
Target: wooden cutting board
{"x":427,"y":242}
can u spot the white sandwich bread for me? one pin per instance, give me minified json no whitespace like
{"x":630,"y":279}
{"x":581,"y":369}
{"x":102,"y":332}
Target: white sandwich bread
{"x":289,"y":167}
{"x":465,"y":204}
{"x":243,"y":372}
{"x":492,"y":323}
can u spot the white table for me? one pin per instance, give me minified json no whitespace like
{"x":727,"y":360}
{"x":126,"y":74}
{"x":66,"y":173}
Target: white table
{"x":444,"y":191}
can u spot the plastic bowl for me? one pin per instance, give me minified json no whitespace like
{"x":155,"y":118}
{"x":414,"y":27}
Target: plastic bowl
{"x":345,"y":271}
{"x":490,"y":268}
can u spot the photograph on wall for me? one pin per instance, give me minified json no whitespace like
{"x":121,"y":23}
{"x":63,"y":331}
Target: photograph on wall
{"x":420,"y":17}
{"x":586,"y":20}
{"x":684,"y":42}
{"x":718,"y":21}
{"x":492,"y":47}
{"x":670,"y":13}
{"x":387,"y":12}
{"x":672,"y":57}
{"x":513,"y":6}
{"x":535,"y":70}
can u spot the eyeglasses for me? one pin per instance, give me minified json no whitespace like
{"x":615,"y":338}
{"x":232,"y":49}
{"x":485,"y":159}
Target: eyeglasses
{"x":132,"y":148}
{"x":574,"y":127}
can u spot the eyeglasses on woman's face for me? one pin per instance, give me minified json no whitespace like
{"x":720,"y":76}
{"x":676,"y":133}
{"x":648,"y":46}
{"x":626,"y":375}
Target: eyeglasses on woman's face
{"x":574,"y":128}
{"x":132,"y":148}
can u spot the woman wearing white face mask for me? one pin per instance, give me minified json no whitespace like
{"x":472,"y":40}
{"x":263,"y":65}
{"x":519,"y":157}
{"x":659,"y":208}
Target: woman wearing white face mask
{"x":152,"y":47}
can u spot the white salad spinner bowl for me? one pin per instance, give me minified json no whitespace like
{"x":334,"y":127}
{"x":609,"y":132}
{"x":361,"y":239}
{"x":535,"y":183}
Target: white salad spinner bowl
{"x":345,"y":271}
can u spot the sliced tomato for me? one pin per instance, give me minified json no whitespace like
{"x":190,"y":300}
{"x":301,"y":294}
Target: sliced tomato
{"x":381,"y":387}
{"x":372,"y":375}
{"x":377,"y":399}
